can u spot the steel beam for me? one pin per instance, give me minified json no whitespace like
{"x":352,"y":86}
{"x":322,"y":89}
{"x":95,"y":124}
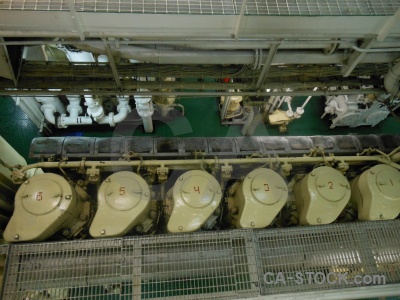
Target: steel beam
{"x":267,"y":65}
{"x":13,"y":92}
{"x":383,"y":33}
{"x":239,"y":20}
{"x":113,"y":65}
{"x":356,"y":58}
{"x":75,"y":18}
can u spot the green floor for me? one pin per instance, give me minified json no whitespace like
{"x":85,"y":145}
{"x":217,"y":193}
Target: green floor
{"x":201,"y":119}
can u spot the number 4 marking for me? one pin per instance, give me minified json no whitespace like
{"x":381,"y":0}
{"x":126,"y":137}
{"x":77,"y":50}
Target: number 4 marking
{"x":197,"y":190}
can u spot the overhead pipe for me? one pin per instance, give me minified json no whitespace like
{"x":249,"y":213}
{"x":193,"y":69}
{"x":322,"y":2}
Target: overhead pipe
{"x":50,"y":105}
{"x":218,"y":57}
{"x":392,"y":83}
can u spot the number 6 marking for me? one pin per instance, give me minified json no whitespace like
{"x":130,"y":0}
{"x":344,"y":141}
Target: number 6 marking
{"x":122,"y":190}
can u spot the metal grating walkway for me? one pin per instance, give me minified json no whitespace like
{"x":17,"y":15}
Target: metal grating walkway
{"x":218,"y":7}
{"x":205,"y":265}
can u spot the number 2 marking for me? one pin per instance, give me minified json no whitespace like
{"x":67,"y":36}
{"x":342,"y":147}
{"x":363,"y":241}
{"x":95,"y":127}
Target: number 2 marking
{"x":266,"y":187}
{"x":391,"y":182}
{"x":330,"y":183}
{"x":197,"y":190}
{"x":122,"y":190}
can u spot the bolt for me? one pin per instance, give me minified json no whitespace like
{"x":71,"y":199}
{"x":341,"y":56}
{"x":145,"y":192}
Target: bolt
{"x":319,"y":220}
{"x":65,"y":232}
{"x":285,"y":189}
{"x":16,"y":237}
{"x":139,"y":228}
{"x":146,"y":194}
{"x":108,"y":180}
{"x":249,"y":177}
{"x":219,"y":192}
{"x":83,"y":217}
{"x":312,"y":174}
{"x":103,"y":232}
{"x":293,"y":206}
{"x":68,"y":197}
{"x":372,"y":172}
{"x":26,"y":182}
{"x":180,"y":228}
{"x":84,"y":196}
{"x":252,"y":224}
{"x":153,"y":214}
{"x":181,"y":178}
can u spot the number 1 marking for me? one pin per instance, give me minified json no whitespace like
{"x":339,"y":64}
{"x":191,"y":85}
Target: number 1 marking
{"x":39,"y":196}
{"x":266,"y":187}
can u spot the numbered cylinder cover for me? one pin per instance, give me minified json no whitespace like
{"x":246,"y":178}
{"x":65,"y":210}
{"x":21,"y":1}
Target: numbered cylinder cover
{"x":196,"y":195}
{"x":44,"y":204}
{"x":321,"y":196}
{"x":123,"y":203}
{"x":259,"y":198}
{"x":376,"y":193}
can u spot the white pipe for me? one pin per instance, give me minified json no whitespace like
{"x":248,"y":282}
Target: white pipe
{"x":94,"y":109}
{"x":74,"y":108}
{"x":50,"y":105}
{"x":392,"y":84}
{"x":123,"y":109}
{"x":147,"y":124}
{"x":145,"y":109}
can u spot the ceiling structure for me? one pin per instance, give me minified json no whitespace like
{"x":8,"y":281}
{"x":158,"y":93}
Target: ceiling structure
{"x":262,"y":47}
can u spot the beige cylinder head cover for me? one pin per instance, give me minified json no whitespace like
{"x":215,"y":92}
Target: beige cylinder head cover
{"x":123,"y":203}
{"x":44,"y":204}
{"x":259,"y":198}
{"x":196,"y":195}
{"x":321,"y":196}
{"x":376,"y":193}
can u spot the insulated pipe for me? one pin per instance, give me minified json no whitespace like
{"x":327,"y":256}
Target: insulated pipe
{"x":392,"y":78}
{"x":172,"y":56}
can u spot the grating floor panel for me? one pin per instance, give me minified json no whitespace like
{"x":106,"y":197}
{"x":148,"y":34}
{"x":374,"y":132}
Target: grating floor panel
{"x":217,"y":7}
{"x":204,"y":265}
